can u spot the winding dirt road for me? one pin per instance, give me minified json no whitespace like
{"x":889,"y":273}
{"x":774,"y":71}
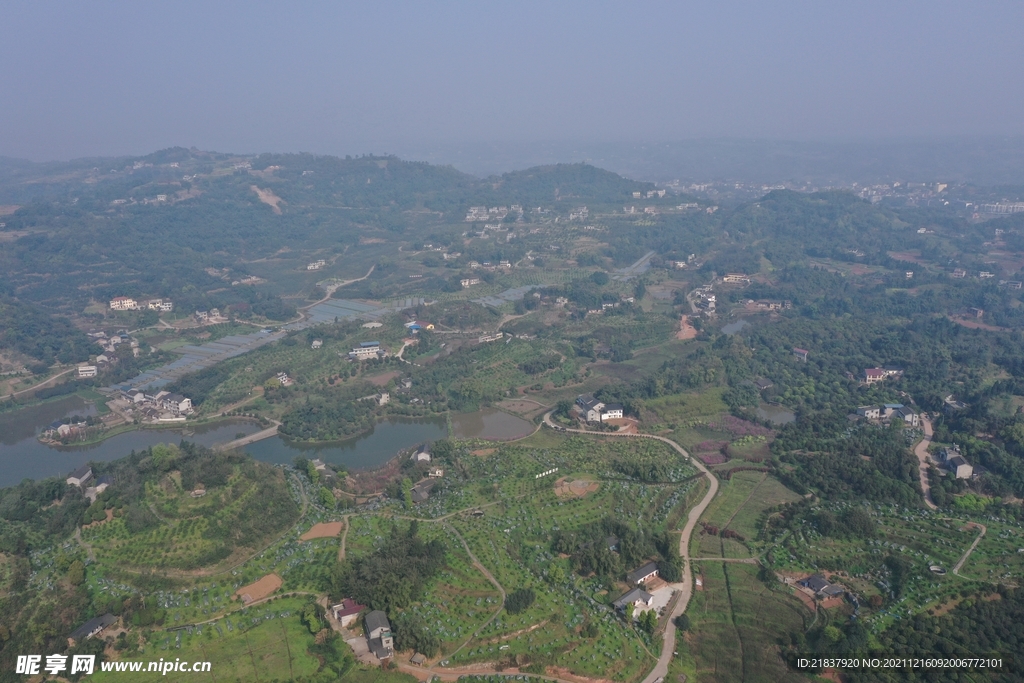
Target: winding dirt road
{"x":685,"y":587}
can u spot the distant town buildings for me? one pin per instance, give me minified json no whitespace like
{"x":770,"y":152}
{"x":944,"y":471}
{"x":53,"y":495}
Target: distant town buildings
{"x":316,"y":265}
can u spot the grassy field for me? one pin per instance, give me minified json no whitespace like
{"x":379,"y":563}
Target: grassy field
{"x":261,"y":643}
{"x":741,"y":501}
{"x":737,"y":622}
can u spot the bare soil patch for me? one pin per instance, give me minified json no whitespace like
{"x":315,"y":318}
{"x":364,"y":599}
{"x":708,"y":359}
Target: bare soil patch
{"x":909,"y":256}
{"x":322,"y":530}
{"x":259,"y":589}
{"x":481,"y":452}
{"x":686,"y":330}
{"x":383,"y":378}
{"x":576,"y":487}
{"x":626,"y":425}
{"x":8,"y":209}
{"x":975,"y":325}
{"x":527,"y":409}
{"x":268,"y":197}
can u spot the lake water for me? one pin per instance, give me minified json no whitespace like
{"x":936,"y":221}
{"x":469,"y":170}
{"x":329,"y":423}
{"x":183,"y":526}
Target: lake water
{"x":734,"y":327}
{"x":362,"y":452}
{"x":23,"y":456}
{"x":776,"y":414}
{"x":489,"y":423}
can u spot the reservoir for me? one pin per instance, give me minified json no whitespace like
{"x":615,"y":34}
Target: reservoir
{"x":490,"y":423}
{"x":362,"y":452}
{"x":734,"y":327}
{"x":22,"y":456}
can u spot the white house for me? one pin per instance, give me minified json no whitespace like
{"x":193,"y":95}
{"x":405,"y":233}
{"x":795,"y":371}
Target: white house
{"x":612,"y":411}
{"x":80,"y":476}
{"x":87,"y":370}
{"x":422,"y":454}
{"x":869,"y":412}
{"x":644,"y":573}
{"x":123,"y":303}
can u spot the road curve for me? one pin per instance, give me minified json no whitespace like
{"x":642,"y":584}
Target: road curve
{"x":686,"y":585}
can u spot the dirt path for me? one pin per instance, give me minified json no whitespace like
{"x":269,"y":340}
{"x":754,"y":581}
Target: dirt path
{"x":685,"y":587}
{"x":87,"y":547}
{"x":37,"y":386}
{"x":737,"y":560}
{"x":921,"y":451}
{"x":344,"y":537}
{"x":960,"y":563}
{"x":490,"y":577}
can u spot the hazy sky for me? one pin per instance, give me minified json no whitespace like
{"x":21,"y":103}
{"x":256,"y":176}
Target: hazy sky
{"x":102,"y":78}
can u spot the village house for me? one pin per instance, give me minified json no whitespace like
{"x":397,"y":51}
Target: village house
{"x":642,"y":574}
{"x":954,"y":461}
{"x":637,"y":597}
{"x":102,"y":484}
{"x":369,"y":349}
{"x":316,"y":265}
{"x":80,"y":477}
{"x":435,"y":472}
{"x":160,"y":305}
{"x":959,"y":273}
{"x":123,"y":303}
{"x":346,"y":611}
{"x":91,"y":628}
{"x":378,"y":634}
{"x":801,"y":353}
{"x":87,"y":370}
{"x":821,"y":587}
{"x":421,"y":491}
{"x":469,"y":281}
{"x":612,"y":411}
{"x":590,"y":407}
{"x":422,"y":454}
{"x":909,"y":417}
{"x":485,"y":338}
{"x":736,"y":278}
{"x":872,"y":375}
{"x":869,"y":412}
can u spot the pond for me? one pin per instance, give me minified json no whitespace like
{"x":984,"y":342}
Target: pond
{"x":362,"y":452}
{"x":490,"y":423}
{"x":23,"y":456}
{"x":734,"y":327}
{"x":775,"y":414}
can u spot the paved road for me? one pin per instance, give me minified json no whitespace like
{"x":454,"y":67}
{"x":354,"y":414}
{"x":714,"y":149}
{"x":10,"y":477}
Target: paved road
{"x":921,"y":451}
{"x":685,"y":587}
{"x":246,"y":440}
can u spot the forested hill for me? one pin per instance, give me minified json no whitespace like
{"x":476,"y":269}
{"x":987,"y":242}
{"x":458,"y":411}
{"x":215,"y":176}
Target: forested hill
{"x":580,"y":183}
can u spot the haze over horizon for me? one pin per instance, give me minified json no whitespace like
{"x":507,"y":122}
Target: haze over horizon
{"x":433,"y":82}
